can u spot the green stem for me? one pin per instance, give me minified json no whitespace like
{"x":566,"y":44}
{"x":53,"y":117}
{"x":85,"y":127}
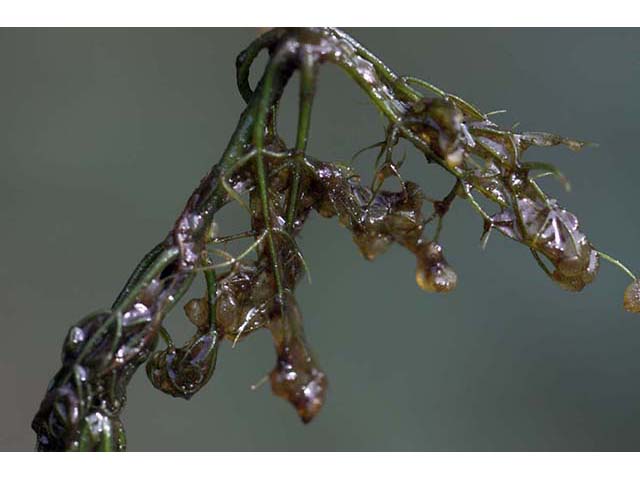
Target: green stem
{"x":210,"y":279}
{"x":381,"y":68}
{"x":540,"y":263}
{"x":138,"y":272}
{"x":166,"y":337}
{"x":617,"y":263}
{"x":246,"y":57}
{"x":150,"y":272}
{"x":174,"y":298}
{"x":232,"y":237}
{"x":263,"y":106}
{"x":307,"y":88}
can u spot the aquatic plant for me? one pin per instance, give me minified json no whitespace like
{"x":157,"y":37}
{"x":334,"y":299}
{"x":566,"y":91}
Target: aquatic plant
{"x":280,"y":186}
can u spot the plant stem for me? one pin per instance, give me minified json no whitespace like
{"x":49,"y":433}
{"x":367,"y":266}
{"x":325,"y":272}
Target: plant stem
{"x":265,"y":93}
{"x":307,"y":90}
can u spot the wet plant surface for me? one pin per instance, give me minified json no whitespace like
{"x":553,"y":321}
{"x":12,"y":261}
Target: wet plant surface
{"x":280,"y":186}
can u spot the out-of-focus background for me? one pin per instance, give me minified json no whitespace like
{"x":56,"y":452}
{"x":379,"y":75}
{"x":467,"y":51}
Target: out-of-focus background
{"x":105,"y":132}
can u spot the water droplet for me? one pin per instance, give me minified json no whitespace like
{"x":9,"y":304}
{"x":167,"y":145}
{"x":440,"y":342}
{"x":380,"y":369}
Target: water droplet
{"x":76,"y":335}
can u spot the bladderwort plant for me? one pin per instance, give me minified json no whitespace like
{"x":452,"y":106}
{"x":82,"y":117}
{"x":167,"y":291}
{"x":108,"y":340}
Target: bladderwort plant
{"x":279,"y":186}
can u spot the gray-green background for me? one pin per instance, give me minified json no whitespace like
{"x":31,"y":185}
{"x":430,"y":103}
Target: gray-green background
{"x":104,"y":133}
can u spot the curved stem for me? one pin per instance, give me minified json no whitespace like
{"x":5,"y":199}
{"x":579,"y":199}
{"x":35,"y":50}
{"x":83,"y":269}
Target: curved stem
{"x":166,"y":337}
{"x":617,"y":263}
{"x":381,"y":68}
{"x":138,"y":272}
{"x":154,"y":269}
{"x":247,"y":56}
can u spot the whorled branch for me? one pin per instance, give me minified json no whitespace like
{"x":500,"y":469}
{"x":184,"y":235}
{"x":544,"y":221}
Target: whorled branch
{"x":280,"y":187}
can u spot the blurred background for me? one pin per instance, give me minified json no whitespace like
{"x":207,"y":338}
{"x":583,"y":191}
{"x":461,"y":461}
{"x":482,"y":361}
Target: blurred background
{"x":105,"y":132}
